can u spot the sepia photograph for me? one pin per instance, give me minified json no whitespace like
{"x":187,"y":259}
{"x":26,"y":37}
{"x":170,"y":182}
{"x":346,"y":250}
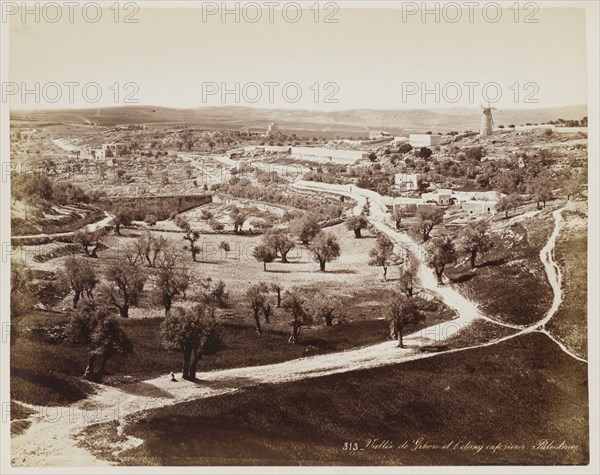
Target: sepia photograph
{"x":299,"y":236}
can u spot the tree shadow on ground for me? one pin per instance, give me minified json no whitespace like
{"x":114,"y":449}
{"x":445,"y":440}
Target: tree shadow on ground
{"x":227,"y":382}
{"x":494,"y":262}
{"x":463,"y":278}
{"x":145,"y":389}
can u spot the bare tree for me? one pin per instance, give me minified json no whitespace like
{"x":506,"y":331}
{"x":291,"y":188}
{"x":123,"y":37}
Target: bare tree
{"x":88,"y":239}
{"x":275,"y":287}
{"x":172,"y":280}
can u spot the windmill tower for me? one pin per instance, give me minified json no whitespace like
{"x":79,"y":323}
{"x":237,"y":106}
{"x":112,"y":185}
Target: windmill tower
{"x":487,"y":120}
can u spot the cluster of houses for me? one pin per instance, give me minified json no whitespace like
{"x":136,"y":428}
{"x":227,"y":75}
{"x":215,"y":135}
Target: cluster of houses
{"x":415,"y":140}
{"x":311,"y":154}
{"x":107,"y":150}
{"x":271,"y":132}
{"x":471,"y":202}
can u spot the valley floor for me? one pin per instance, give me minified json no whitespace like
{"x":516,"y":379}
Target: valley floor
{"x":518,"y":389}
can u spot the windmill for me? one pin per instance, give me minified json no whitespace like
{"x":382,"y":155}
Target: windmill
{"x":487,"y":120}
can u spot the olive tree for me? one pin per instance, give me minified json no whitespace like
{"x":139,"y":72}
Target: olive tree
{"x":306,"y":228}
{"x":322,"y":307}
{"x":264,"y":253}
{"x":87,"y":240}
{"x":22,"y":298}
{"x":280,"y":242}
{"x":257,"y":300}
{"x":122,"y":217}
{"x":81,"y":278}
{"x":382,"y":254}
{"x":123,"y":287}
{"x":477,"y":241}
{"x":408,"y":278}
{"x":402,"y":312}
{"x":442,"y":253}
{"x":172,"y":280}
{"x":428,"y":216}
{"x":194,"y":333}
{"x":325,"y":248}
{"x":357,"y":224}
{"x":190,"y":235}
{"x":94,"y":327}
{"x":295,"y":304}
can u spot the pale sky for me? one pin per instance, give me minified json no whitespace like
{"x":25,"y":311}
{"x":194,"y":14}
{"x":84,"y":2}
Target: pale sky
{"x":371,"y":55}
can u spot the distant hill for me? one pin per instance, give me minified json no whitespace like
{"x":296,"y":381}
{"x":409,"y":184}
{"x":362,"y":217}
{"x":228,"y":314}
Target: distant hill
{"x":357,"y":121}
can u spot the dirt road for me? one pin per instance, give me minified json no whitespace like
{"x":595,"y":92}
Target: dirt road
{"x":52,"y":438}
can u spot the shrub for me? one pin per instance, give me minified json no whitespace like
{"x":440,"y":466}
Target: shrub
{"x":216,"y":225}
{"x":150,"y":219}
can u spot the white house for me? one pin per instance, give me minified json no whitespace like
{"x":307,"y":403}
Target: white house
{"x":479,"y":206}
{"x":442,"y":197}
{"x":378,"y":134}
{"x":97,"y":153}
{"x":267,"y":148}
{"x":407,"y":181}
{"x":115,"y":149}
{"x":424,"y":140}
{"x":253,"y":132}
{"x":476,"y":195}
{"x":398,"y":140}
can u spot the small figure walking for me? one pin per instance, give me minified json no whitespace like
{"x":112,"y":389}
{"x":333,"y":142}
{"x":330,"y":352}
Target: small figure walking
{"x":173,"y":377}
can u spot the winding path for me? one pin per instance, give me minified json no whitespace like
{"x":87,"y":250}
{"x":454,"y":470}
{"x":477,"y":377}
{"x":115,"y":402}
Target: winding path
{"x":104,"y":222}
{"x":52,"y":438}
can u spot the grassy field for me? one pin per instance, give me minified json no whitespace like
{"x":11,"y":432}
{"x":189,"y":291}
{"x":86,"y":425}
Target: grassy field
{"x":510,"y":283}
{"x":43,"y":373}
{"x":238,"y":268}
{"x":480,"y":331}
{"x":484,"y":406}
{"x":47,"y":373}
{"x":569,"y":323}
